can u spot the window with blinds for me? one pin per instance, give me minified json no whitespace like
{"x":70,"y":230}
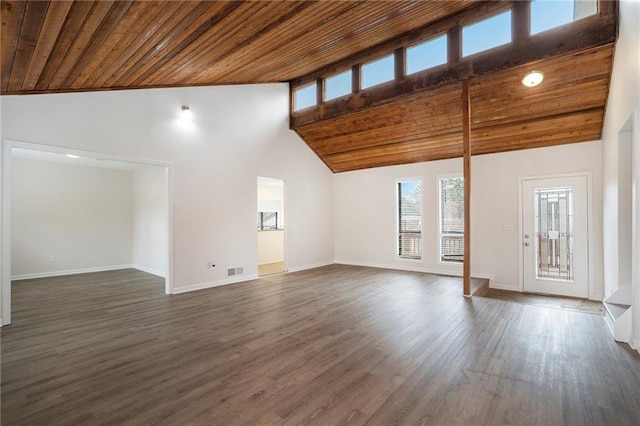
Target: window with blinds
{"x":409,"y":219}
{"x":451,"y":219}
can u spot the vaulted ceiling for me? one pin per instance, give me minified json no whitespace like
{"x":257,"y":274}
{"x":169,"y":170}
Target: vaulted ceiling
{"x":505,"y":116}
{"x":68,"y":46}
{"x":61,"y":46}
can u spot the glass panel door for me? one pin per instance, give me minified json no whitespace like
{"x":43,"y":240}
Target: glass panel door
{"x":555,"y":238}
{"x":554,"y":233}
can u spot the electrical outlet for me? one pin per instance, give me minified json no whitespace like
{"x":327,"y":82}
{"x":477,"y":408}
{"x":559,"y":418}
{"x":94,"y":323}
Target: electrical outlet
{"x":52,"y":259}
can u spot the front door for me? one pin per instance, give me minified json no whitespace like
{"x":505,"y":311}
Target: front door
{"x":555,"y":237}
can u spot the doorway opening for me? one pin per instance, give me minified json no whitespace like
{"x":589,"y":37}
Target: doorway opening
{"x":68,"y":212}
{"x":271,"y":226}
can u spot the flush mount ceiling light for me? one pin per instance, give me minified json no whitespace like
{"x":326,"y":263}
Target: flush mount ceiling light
{"x":186,"y":112}
{"x":71,"y":156}
{"x":533,"y":78}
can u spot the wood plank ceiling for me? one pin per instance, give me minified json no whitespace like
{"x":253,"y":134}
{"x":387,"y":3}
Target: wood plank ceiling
{"x":505,"y":116}
{"x":62,"y":46}
{"x":68,"y":46}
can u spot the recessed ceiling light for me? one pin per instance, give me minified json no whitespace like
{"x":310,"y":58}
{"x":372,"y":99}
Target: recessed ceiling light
{"x":72,"y":156}
{"x":533,"y":78}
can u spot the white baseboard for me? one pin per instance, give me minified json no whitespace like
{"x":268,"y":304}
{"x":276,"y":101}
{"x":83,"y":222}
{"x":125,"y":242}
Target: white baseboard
{"x":507,"y":287}
{"x":211,"y":284}
{"x":412,"y":268}
{"x":149,"y":271}
{"x":69,"y":272}
{"x":312,"y":266}
{"x":635,"y":344}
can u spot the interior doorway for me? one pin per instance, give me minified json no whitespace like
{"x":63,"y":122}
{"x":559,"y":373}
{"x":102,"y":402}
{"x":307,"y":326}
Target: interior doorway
{"x":271,"y":226}
{"x":555,"y":236}
{"x":79,"y":178}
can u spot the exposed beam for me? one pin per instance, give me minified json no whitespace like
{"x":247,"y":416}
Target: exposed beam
{"x":399,"y":62}
{"x":466,"y":140}
{"x":596,"y":30}
{"x":355,"y":78}
{"x":521,"y":22}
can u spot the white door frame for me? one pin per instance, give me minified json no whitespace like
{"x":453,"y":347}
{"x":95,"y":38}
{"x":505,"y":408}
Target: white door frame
{"x":5,"y":262}
{"x":590,"y":234}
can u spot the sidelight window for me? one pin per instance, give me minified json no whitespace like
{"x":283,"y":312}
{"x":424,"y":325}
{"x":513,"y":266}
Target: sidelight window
{"x":409,"y":219}
{"x":451,"y":219}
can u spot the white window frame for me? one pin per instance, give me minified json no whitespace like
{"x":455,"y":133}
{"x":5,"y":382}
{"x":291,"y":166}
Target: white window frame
{"x":439,"y":219}
{"x":397,"y":220}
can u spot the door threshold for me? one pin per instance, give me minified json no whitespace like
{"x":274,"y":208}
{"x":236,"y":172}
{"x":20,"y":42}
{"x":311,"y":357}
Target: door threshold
{"x":564,"y":303}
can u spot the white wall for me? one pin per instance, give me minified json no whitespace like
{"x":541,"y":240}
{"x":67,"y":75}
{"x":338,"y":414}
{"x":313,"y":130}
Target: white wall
{"x":150,"y":233}
{"x":365,"y":210}
{"x":270,"y":246}
{"x":4,"y":275}
{"x":624,"y":97}
{"x":236,"y":134}
{"x":79,"y":215}
{"x":625,"y":207}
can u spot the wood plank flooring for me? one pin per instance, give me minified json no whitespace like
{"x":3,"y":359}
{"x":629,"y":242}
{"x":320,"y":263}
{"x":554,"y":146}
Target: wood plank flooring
{"x":270,"y":268}
{"x":547,"y":301}
{"x":333,"y":345}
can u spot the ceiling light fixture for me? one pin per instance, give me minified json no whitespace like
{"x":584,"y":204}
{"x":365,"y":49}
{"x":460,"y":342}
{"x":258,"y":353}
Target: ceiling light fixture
{"x":533,"y":78}
{"x":186,"y":112}
{"x":72,"y":156}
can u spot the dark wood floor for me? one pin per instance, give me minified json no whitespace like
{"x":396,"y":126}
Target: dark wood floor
{"x":548,"y":301}
{"x":334,"y":345}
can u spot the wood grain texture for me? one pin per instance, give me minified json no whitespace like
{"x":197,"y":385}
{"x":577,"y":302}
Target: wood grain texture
{"x":568,"y":107}
{"x":12,"y":16}
{"x":34,"y":16}
{"x":466,"y":172}
{"x":62,"y":46}
{"x":334,"y":345}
